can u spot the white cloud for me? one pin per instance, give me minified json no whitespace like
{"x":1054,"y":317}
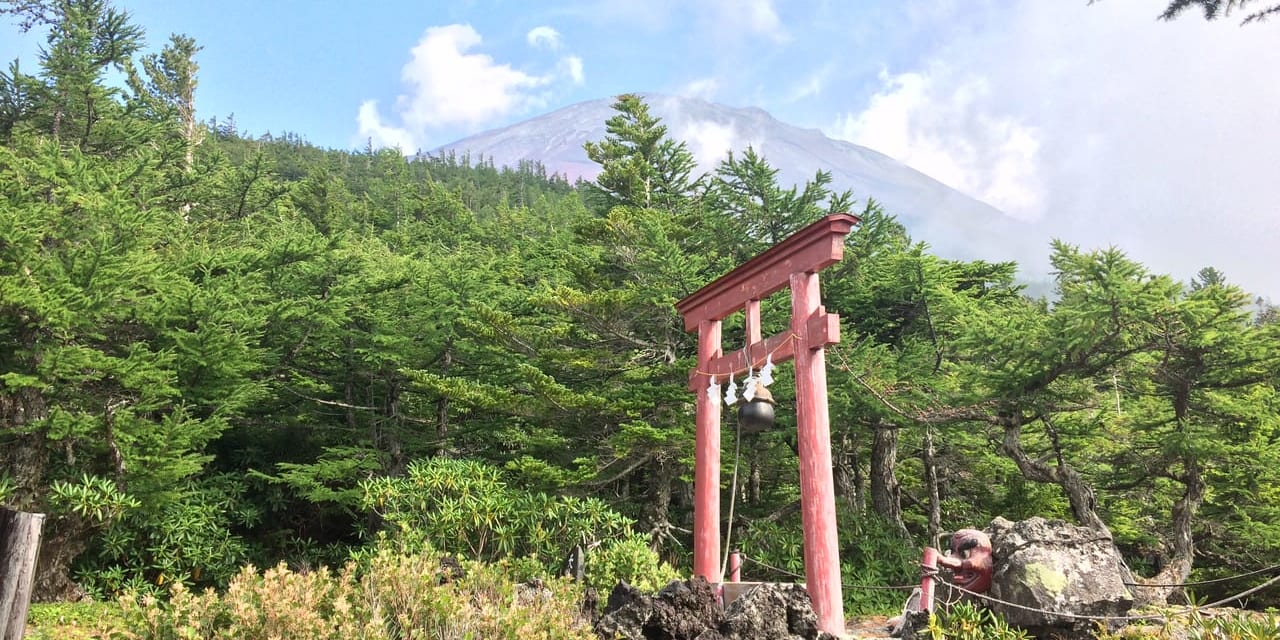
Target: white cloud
{"x":572,"y":65}
{"x":448,"y":86}
{"x":812,"y":85}
{"x":1111,"y":127}
{"x":946,"y":130}
{"x":704,"y":88}
{"x":709,"y":142}
{"x":380,"y":134}
{"x":543,"y":36}
{"x":748,"y":17}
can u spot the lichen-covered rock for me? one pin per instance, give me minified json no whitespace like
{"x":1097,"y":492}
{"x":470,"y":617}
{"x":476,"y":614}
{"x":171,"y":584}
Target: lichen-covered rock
{"x":1054,"y":567}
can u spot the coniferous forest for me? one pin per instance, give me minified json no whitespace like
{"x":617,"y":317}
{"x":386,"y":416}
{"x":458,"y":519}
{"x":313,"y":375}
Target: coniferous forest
{"x":220,"y":349}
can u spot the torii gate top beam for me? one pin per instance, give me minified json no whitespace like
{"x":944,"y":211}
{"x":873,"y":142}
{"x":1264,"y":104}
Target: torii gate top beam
{"x":811,"y":249}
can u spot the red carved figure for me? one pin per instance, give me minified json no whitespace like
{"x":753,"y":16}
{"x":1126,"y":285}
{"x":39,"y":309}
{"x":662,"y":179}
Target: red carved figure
{"x":969,"y":560}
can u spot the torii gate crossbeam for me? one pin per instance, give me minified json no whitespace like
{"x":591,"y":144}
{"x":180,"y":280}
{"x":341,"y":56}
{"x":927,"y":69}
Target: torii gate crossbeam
{"x":794,"y":262}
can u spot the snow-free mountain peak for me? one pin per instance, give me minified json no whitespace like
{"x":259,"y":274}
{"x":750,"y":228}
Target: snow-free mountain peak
{"x":954,"y":224}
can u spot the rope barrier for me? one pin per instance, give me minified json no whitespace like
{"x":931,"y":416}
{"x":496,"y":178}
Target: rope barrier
{"x":1081,"y":616}
{"x":1250,"y":574}
{"x":1061,"y":614}
{"x":897,"y":587}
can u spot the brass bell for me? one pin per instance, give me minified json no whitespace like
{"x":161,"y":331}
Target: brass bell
{"x":756,"y":415}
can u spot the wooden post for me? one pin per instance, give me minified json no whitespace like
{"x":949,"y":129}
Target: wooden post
{"x":929,"y":565}
{"x":817,"y":486}
{"x":706,"y":471}
{"x":19,"y":549}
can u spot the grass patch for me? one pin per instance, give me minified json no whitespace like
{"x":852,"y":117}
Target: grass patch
{"x":72,"y":620}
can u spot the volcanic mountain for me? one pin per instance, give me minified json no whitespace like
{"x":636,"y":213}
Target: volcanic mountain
{"x":955,"y":225}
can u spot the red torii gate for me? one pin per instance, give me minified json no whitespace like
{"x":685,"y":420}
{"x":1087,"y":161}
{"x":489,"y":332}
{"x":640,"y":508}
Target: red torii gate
{"x":794,"y":262}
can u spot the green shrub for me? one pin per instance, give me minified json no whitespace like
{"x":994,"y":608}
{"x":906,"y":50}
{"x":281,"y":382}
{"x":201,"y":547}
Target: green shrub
{"x":463,"y":508}
{"x":1243,"y":625}
{"x":964,"y":621}
{"x":187,"y":540}
{"x":873,"y":554}
{"x":629,"y":559}
{"x":392,"y":597}
{"x":71,"y":620}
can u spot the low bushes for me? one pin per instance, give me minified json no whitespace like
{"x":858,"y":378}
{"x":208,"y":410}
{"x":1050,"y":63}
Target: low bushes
{"x":390,"y":597}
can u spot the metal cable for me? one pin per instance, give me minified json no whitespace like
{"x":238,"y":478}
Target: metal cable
{"x":898,"y":587}
{"x":1080,"y":616}
{"x":1273,"y":567}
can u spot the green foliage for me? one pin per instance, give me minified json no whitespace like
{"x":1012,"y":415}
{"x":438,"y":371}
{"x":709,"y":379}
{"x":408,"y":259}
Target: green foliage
{"x":393,"y":597}
{"x":463,"y":507}
{"x":188,"y":541}
{"x":873,"y":555}
{"x":1199,"y":626}
{"x":964,"y":621}
{"x":72,"y":620}
{"x":216,"y":348}
{"x":1214,"y":9}
{"x":640,"y":166}
{"x":94,"y":498}
{"x":627,"y":558}
{"x":6,"y":489}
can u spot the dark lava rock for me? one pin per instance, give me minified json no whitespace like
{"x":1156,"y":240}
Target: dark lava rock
{"x":690,"y":610}
{"x":772,"y":612}
{"x":683,"y":611}
{"x":625,"y":614}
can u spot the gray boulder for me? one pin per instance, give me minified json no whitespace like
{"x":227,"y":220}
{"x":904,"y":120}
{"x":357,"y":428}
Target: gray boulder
{"x":1051,"y":567}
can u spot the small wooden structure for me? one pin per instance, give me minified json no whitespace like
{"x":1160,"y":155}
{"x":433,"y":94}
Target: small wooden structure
{"x":19,"y":550}
{"x":794,"y":262}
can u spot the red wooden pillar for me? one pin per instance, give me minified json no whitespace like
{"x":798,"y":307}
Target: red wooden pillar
{"x":929,"y":565}
{"x":817,"y":487}
{"x":706,"y":471}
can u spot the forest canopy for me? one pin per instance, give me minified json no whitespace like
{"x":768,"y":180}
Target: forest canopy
{"x":219,"y":348}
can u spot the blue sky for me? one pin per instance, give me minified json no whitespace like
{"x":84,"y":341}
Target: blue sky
{"x":1098,"y":123}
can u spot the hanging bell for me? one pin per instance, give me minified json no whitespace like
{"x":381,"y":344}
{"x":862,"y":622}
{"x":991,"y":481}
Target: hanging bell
{"x":757,"y":415}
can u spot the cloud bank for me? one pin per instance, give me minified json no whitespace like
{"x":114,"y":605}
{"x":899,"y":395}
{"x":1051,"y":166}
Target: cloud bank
{"x":1105,"y":126}
{"x":449,"y":84}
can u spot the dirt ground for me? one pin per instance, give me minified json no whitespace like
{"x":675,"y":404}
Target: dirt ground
{"x":868,"y":627}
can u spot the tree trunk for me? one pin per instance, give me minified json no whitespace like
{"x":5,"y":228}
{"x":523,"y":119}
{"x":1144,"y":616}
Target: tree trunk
{"x":931,"y":482}
{"x":845,"y":473}
{"x":753,"y":478}
{"x":64,"y":541}
{"x":1079,"y":494}
{"x":1182,"y":549}
{"x":442,"y":405}
{"x":23,"y":455}
{"x":397,"y":462}
{"x":886,"y":496}
{"x":662,"y":475}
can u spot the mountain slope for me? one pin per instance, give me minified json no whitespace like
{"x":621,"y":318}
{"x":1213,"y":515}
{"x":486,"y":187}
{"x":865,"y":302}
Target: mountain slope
{"x":954,"y":224}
